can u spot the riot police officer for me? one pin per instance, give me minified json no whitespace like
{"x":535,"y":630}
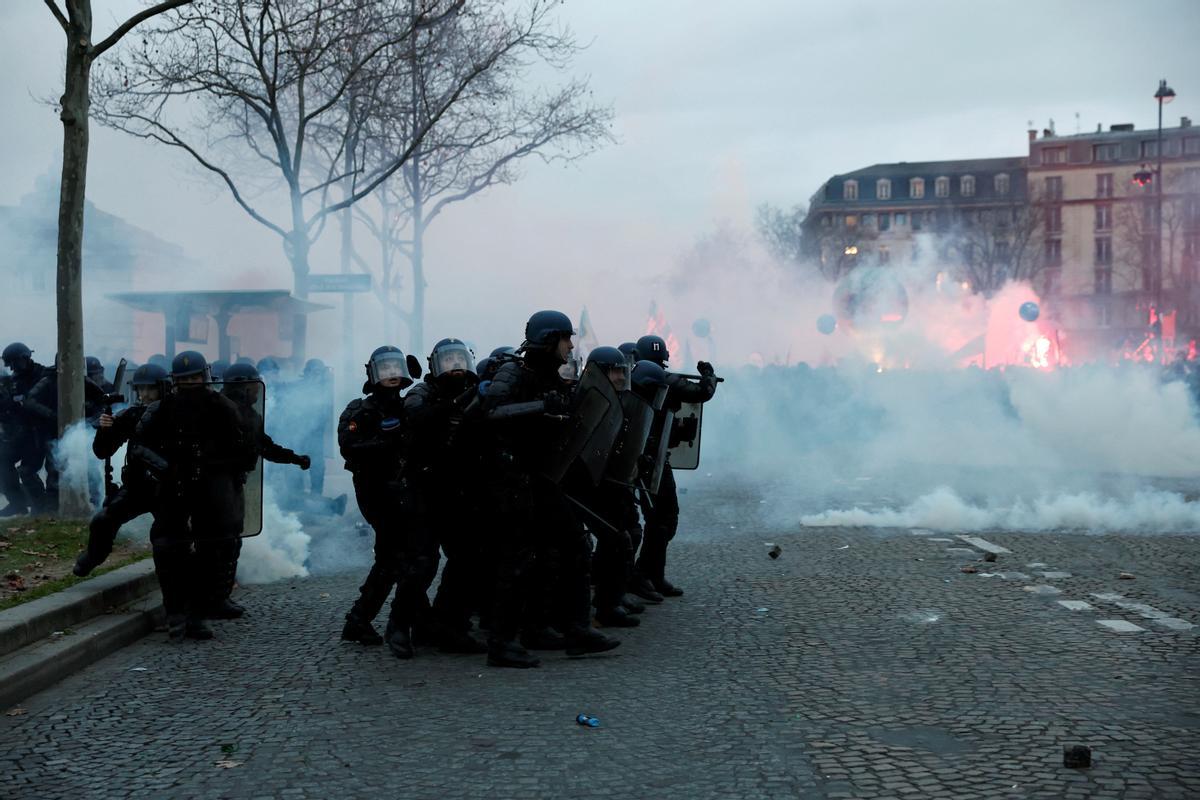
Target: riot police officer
{"x":526,"y":402}
{"x":661,"y":510}
{"x":443,"y":465}
{"x":371,"y":437}
{"x":218,"y":558}
{"x":137,"y":492}
{"x":195,"y":441}
{"x":24,"y":451}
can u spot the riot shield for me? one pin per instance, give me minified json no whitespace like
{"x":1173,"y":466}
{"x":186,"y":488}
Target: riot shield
{"x":623,"y":462}
{"x":590,"y":432}
{"x":685,"y":439}
{"x":658,"y":447}
{"x":251,"y":400}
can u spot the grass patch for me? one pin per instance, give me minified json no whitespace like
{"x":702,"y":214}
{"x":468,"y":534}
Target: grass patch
{"x":37,"y":553}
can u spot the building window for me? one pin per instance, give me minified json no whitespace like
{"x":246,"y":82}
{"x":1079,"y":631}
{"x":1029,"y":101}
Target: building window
{"x":1106,"y":152}
{"x":1191,"y":145}
{"x":851,"y":220}
{"x":1002,"y":183}
{"x":883,"y":189}
{"x":883,"y":254}
{"x":1103,"y":217}
{"x":966,"y":185}
{"x":1054,"y":252}
{"x":825,"y":220}
{"x":1103,"y":251}
{"x":1104,"y":184}
{"x":941,"y":187}
{"x":1104,"y":281}
{"x":1149,"y":149}
{"x":918,"y":219}
{"x":1054,"y":155}
{"x":885,"y":221}
{"x":1002,"y":251}
{"x":901,"y":219}
{"x":868,"y":220}
{"x":916,"y":187}
{"x":1054,"y":188}
{"x":850,"y":190}
{"x":1054,"y":219}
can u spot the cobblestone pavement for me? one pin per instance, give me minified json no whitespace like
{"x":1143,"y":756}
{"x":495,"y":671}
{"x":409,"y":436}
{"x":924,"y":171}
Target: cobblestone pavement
{"x":859,"y":664}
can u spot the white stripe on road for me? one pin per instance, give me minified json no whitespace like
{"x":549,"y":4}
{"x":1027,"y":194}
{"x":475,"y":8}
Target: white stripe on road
{"x":1053,"y":575}
{"x":984,"y":544}
{"x":1042,"y":589}
{"x":1076,"y":605}
{"x":1120,"y":625}
{"x":1146,"y":612}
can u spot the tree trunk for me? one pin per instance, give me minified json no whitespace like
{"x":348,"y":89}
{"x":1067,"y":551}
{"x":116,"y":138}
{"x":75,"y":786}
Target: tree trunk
{"x":298,"y":254}
{"x":347,"y":355}
{"x":73,"y":498}
{"x":416,"y":327}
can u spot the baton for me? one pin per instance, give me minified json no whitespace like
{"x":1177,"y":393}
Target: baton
{"x":591,"y":514}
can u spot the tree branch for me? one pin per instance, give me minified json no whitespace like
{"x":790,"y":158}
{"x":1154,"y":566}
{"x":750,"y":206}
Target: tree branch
{"x":133,"y":22}
{"x":58,"y":15}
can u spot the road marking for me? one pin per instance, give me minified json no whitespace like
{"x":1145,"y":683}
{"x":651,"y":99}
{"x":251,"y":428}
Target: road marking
{"x":1076,"y":605}
{"x":940,"y":540}
{"x":1035,"y":564}
{"x":1042,"y":589}
{"x":1013,"y":576}
{"x":984,"y":544}
{"x":920,"y":531}
{"x":1145,"y":611}
{"x":1120,"y":625}
{"x":1052,"y":575}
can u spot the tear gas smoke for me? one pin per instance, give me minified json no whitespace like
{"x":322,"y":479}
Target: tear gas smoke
{"x":279,"y":552}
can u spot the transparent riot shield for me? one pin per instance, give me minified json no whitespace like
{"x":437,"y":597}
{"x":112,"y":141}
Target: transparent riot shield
{"x":658,"y":447}
{"x":250,"y":397}
{"x":590,"y":432}
{"x":685,"y":440}
{"x":623,"y":461}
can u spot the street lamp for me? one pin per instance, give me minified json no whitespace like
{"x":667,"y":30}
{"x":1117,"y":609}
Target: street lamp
{"x":1165,"y":94}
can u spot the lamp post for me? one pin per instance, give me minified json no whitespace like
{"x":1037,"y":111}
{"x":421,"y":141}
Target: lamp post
{"x":1165,"y":94}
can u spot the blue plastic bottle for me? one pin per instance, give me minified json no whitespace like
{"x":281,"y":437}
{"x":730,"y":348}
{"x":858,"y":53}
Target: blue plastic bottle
{"x":591,"y":722}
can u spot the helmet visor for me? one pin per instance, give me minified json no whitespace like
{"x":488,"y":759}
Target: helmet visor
{"x":389,"y":365}
{"x":619,"y":375}
{"x":452,"y":358}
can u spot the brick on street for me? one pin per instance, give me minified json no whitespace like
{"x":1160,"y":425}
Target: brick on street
{"x":859,"y":664}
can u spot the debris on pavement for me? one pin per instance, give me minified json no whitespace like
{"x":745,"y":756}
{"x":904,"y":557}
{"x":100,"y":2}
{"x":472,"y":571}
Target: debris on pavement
{"x":989,"y":557}
{"x":1077,"y":756}
{"x":775,"y":551}
{"x":1125,"y":576}
{"x":970,"y":569}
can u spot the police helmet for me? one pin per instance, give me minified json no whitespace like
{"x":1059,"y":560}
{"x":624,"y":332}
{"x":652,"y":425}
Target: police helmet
{"x":545,"y":328}
{"x":650,"y":383}
{"x":267,"y":366}
{"x":148,"y":375}
{"x":504,"y":350}
{"x":218,"y":368}
{"x":160,"y":360}
{"x":314,"y":367}
{"x":630,"y":351}
{"x":610,"y":359}
{"x":15,"y":353}
{"x":189,"y":362}
{"x":451,"y":355}
{"x":241,"y":372}
{"x":653,"y":348}
{"x":93,"y":366}
{"x":390,"y":362}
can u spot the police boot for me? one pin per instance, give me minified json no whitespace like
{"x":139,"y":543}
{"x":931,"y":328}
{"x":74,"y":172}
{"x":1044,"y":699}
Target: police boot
{"x":543,"y":639}
{"x":631,"y":604}
{"x":667,"y":589}
{"x":643,"y":588}
{"x":509,"y":654}
{"x":399,"y":642}
{"x":13,"y":510}
{"x":356,"y":630}
{"x":196,"y":628}
{"x":452,"y":641}
{"x":85,"y":563}
{"x":616,"y":617}
{"x":226,"y":609}
{"x":584,"y":639}
{"x":176,"y":627}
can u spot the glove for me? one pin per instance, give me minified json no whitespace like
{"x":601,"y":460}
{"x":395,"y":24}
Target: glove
{"x":304,"y":462}
{"x":705,"y":369}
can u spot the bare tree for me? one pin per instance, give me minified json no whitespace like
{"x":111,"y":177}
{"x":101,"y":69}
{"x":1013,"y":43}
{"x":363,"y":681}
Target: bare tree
{"x":74,"y":111}
{"x":478,"y":143}
{"x":1136,"y":239}
{"x":995,"y":246}
{"x":782,"y":232}
{"x":834,"y":246}
{"x":263,"y":80}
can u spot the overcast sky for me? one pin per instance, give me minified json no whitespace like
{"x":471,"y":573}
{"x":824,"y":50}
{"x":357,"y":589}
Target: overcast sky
{"x":719,"y":107}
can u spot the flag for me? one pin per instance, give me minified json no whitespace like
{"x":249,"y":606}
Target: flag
{"x":585,"y":337}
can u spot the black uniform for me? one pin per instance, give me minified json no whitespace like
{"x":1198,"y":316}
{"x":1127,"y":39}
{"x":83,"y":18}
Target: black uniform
{"x":24,"y":449}
{"x":135,"y":496}
{"x":537,"y":533}
{"x":443,"y":465}
{"x":372,"y":439}
{"x":661,"y":511}
{"x":197,"y":436}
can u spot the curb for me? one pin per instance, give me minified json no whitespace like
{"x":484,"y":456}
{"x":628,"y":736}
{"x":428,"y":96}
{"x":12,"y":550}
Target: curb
{"x":30,"y":622}
{"x":43,"y":664}
{"x":45,"y":640}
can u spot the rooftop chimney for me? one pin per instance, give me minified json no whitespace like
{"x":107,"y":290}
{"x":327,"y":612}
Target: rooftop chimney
{"x":1185,"y":122}
{"x":1124,"y":126}
{"x":1047,"y":133}
{"x":1032,"y":135}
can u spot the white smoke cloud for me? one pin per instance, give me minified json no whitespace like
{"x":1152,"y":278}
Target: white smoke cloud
{"x":279,"y":552}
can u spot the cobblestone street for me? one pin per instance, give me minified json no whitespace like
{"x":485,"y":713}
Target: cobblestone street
{"x":858,"y":664}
